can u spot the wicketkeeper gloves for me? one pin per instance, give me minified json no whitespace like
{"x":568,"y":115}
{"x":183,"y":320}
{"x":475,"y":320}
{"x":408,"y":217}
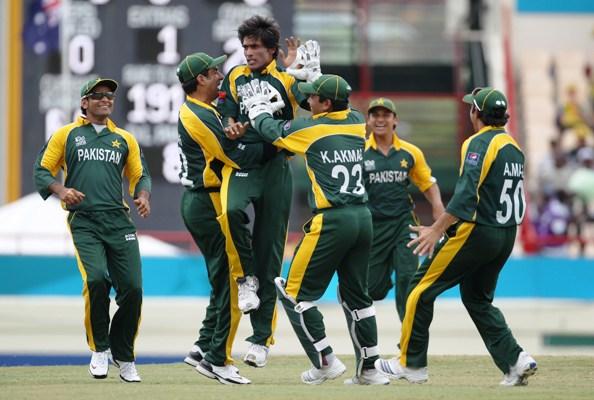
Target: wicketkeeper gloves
{"x":308,"y":57}
{"x":257,"y":99}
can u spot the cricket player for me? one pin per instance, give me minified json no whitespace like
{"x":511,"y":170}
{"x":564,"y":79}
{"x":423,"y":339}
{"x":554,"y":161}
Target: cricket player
{"x":487,"y":206}
{"x":390,"y":165}
{"x":204,"y":149}
{"x":94,"y":154}
{"x":256,"y":259}
{"x":338,"y":237}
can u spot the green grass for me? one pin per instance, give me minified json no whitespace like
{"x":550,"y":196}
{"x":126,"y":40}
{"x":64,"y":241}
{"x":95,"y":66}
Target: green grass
{"x":450,"y":377}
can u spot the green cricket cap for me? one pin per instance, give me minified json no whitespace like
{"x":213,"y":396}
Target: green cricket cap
{"x":382,"y":102}
{"x":486,"y":99}
{"x":93,"y":83}
{"x":196,"y":64}
{"x":329,"y":86}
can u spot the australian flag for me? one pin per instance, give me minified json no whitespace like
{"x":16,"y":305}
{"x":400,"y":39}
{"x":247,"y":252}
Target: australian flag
{"x":41,"y":32}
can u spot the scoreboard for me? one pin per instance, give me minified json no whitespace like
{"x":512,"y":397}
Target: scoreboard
{"x":139,"y":43}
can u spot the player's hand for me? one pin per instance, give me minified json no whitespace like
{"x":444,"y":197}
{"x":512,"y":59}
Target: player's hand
{"x":292,"y":45}
{"x":426,"y":240}
{"x":71,"y":197}
{"x":236,"y":130}
{"x":143,"y":204}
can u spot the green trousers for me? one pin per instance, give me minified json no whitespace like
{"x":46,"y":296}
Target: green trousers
{"x":336,"y":240}
{"x":199,"y":210}
{"x":107,"y":255}
{"x":390,"y":255}
{"x":260,"y":253}
{"x":472,"y":258}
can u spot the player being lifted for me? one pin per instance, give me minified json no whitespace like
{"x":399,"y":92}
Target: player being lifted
{"x":256,"y":259}
{"x":487,"y":206}
{"x":338,"y":237}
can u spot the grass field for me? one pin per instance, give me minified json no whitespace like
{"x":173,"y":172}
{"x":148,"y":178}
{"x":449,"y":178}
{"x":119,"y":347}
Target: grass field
{"x":450,"y":377}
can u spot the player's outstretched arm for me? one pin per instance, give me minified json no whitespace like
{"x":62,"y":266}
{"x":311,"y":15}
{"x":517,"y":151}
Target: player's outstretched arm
{"x":433,"y":196}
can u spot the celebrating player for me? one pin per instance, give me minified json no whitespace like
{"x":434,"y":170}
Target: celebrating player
{"x":391,"y":164}
{"x":256,"y":260}
{"x":338,"y":237}
{"x":94,"y":153}
{"x":204,"y":149}
{"x":487,"y":206}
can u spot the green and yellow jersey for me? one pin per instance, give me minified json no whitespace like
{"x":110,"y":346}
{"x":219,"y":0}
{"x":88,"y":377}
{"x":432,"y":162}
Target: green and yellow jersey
{"x":490,"y":189}
{"x":93,"y":163}
{"x":332,"y":145}
{"x":273,"y":78}
{"x":204,"y":148}
{"x":387,"y":177}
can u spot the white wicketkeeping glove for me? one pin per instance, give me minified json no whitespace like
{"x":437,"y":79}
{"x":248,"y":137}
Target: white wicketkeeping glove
{"x":254,"y":101}
{"x":308,"y":57}
{"x":276,"y":101}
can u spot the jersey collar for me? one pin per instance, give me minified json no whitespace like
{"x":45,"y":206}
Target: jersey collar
{"x":83,"y":120}
{"x":490,"y":128}
{"x":269,"y":68}
{"x":373,"y":144}
{"x":338,"y":115}
{"x":203,"y":104}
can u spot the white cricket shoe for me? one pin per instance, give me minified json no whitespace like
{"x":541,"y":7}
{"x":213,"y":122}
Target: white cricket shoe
{"x":518,"y":373}
{"x":226,"y":374}
{"x":248,"y":299}
{"x":393,"y":370}
{"x":99,"y":365}
{"x":315,"y":376}
{"x":256,"y":356}
{"x":128,"y":372}
{"x":194,"y":356}
{"x":368,"y":377}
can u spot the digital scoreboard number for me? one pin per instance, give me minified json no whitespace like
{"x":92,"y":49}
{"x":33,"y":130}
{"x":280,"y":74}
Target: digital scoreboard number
{"x":139,"y":43}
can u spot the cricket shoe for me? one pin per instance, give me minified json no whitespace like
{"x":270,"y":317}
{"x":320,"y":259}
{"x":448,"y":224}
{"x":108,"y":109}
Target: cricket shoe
{"x":227,"y":374}
{"x":256,"y":356}
{"x":393,"y":370}
{"x":368,"y":377}
{"x":248,"y":299}
{"x":518,"y":373}
{"x":316,"y":376}
{"x":99,"y":365}
{"x":128,"y":372}
{"x":194,"y":356}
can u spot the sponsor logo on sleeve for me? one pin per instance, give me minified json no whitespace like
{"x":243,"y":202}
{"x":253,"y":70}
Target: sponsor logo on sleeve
{"x":472,"y":158}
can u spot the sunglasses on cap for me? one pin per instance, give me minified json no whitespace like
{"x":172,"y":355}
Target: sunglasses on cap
{"x":100,"y":95}
{"x":474,"y":92}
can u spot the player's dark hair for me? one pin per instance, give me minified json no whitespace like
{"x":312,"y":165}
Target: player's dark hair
{"x":337,"y":105}
{"x":190,"y":86}
{"x":265,"y":29}
{"x":497,"y":117}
